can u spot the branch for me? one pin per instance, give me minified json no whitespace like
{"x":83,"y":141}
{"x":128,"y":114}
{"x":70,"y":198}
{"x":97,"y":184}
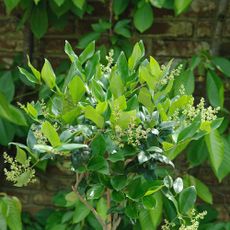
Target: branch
{"x":84,"y":201}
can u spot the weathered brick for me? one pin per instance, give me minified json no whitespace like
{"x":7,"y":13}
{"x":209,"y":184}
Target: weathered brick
{"x":226,"y":28}
{"x":171,"y":29}
{"x":176,"y":48}
{"x":204,"y":29}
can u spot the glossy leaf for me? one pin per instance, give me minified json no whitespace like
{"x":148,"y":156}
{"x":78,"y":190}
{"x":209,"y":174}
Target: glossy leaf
{"x":215,"y":90}
{"x":187,"y":199}
{"x":39,"y":20}
{"x":51,"y":134}
{"x":181,"y":6}
{"x":76,"y":89}
{"x":93,"y":115}
{"x":215,"y":147}
{"x":119,"y":6}
{"x":222,"y":64}
{"x":87,"y":52}
{"x":10,"y":5}
{"x":143,"y":17}
{"x":80,"y":212}
{"x":48,"y":75}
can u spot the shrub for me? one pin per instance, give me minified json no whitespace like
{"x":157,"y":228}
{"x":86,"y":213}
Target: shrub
{"x":118,"y":127}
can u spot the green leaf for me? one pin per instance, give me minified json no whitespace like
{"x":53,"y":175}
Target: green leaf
{"x":93,"y":115}
{"x":121,"y":28}
{"x":10,"y":112}
{"x":136,"y":189}
{"x":119,"y":6}
{"x":7,"y":131}
{"x":51,"y":134}
{"x":2,"y":221}
{"x":119,"y":182}
{"x":98,"y":164}
{"x":97,"y":90}
{"x":187,"y":199}
{"x":102,"y":208}
{"x":197,"y":152}
{"x":145,"y":98}
{"x":143,"y":17}
{"x":13,"y":213}
{"x":137,"y":54}
{"x":149,"y":202}
{"x":187,"y":79}
{"x":10,"y":5}
{"x":7,"y":79}
{"x":215,"y":146}
{"x":70,"y":147}
{"x":98,"y":145}
{"x":59,"y":2}
{"x":131,"y":211}
{"x":28,"y":75}
{"x":48,"y":75}
{"x":155,"y":68}
{"x":35,"y":72}
{"x":150,"y":219}
{"x":202,"y":190}
{"x":69,"y":51}
{"x":189,"y":131}
{"x":87,"y":53}
{"x":79,"y":3}
{"x":21,"y":156}
{"x":76,"y":89}
{"x":224,"y":168}
{"x":215,"y":89}
{"x":125,"y":118}
{"x":80,"y":212}
{"x":87,"y":38}
{"x":181,"y":6}
{"x":95,"y":192}
{"x":222,"y":64}
{"x":122,"y":67}
{"x":116,"y":84}
{"x":39,"y":20}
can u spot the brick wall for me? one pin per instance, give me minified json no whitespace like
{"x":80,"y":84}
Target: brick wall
{"x":205,"y":25}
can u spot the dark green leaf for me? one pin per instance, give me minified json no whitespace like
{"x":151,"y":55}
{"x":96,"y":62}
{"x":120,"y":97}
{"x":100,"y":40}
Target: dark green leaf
{"x":10,"y":5}
{"x":39,"y":20}
{"x":98,"y":145}
{"x":187,"y":199}
{"x":98,"y":164}
{"x":215,"y":146}
{"x":119,"y":182}
{"x":80,"y":212}
{"x":222,"y":64}
{"x":119,"y":6}
{"x":149,"y":202}
{"x":215,"y":90}
{"x":95,"y":192}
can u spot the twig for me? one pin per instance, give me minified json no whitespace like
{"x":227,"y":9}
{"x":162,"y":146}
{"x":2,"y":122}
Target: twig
{"x":84,"y":201}
{"x":109,"y":224}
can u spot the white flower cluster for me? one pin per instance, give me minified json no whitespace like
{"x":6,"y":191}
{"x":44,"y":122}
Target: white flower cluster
{"x":17,"y":169}
{"x":174,"y":73}
{"x":193,"y":225}
{"x":107,"y":69}
{"x":207,"y":114}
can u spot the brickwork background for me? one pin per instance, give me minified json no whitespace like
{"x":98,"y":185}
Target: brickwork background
{"x":207,"y":24}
